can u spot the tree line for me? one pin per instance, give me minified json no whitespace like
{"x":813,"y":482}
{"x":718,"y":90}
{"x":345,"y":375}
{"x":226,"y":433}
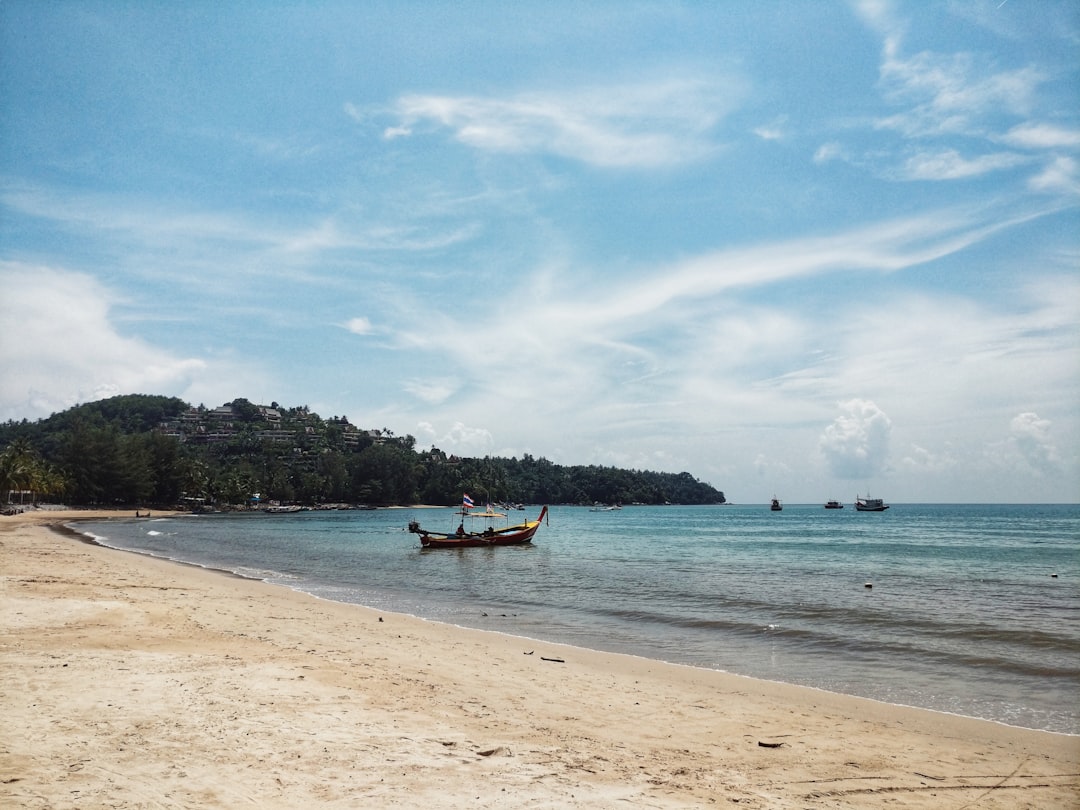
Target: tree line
{"x":122,"y":451}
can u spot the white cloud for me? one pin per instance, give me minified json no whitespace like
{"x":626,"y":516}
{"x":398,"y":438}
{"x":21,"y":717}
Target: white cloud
{"x":760,"y":381}
{"x":773,"y":131}
{"x":922,"y":461}
{"x":943,"y":95}
{"x":433,"y":391}
{"x":828,"y":152}
{"x":460,"y":439}
{"x":948,"y":164}
{"x":644,"y":125}
{"x":62,"y":348}
{"x":879,"y":15}
{"x":951,"y":93}
{"x":1042,"y":136}
{"x":1061,"y":175}
{"x":770,"y":468}
{"x":856,"y":444}
{"x":677,"y":342}
{"x":191,"y":247}
{"x":359,"y":326}
{"x":1030,"y":435}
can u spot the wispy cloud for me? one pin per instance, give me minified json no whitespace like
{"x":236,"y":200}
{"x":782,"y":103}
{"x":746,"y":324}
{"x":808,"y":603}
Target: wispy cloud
{"x":648,"y":124}
{"x":1062,"y":174}
{"x":774,"y":130}
{"x":359,"y":326}
{"x":607,"y":339}
{"x":955,"y":98}
{"x":949,"y":164}
{"x":828,"y":152}
{"x":434,"y":391}
{"x":243,"y":243}
{"x":951,"y":94}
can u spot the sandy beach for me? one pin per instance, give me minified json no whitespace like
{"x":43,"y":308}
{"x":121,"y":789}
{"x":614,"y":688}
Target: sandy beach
{"x":129,"y":682}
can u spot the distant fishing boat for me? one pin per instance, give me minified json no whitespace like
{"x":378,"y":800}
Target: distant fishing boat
{"x":776,"y":506}
{"x":869,"y":504}
{"x":833,"y":505}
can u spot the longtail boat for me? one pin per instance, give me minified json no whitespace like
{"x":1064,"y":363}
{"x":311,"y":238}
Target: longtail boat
{"x":491,"y":536}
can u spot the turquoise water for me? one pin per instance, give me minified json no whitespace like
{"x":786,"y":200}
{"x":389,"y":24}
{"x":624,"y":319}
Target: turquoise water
{"x":973,"y":609}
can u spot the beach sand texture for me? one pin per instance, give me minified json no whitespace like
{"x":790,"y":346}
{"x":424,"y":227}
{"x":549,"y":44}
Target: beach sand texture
{"x":128,"y":682}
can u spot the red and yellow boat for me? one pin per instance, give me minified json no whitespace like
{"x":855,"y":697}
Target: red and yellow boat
{"x":508,"y":536}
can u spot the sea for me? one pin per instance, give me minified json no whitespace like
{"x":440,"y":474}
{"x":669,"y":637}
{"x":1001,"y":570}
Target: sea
{"x":967,"y":609}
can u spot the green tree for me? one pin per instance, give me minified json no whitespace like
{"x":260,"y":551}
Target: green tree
{"x":18,"y":468}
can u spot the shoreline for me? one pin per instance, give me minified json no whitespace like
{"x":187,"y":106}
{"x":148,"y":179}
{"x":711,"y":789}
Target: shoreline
{"x":763,"y":634}
{"x":127,"y":670}
{"x":64,"y":529}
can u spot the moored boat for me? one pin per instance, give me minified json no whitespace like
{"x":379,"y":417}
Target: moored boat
{"x":776,"y":506}
{"x":869,"y":504}
{"x":508,"y":536}
{"x":833,"y":505}
{"x":284,"y":510}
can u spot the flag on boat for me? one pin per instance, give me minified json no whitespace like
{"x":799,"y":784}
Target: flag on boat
{"x":466,"y":501}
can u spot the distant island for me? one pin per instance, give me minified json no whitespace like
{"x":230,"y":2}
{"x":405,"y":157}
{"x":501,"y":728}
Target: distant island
{"x":142,"y":449}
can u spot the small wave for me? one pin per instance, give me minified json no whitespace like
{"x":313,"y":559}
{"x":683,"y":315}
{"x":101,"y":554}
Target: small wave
{"x":265,"y":574}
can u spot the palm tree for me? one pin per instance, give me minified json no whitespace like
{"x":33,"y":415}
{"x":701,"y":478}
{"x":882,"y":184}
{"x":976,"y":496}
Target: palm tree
{"x":18,"y":462}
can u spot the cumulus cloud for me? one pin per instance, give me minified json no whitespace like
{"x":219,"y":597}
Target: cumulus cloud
{"x":1030,"y":436}
{"x":856,"y":444}
{"x":52,"y":361}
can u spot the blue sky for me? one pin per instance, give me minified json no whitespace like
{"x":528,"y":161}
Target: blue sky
{"x":805,"y":248}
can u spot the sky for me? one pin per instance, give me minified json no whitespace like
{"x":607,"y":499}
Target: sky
{"x":803,"y":249}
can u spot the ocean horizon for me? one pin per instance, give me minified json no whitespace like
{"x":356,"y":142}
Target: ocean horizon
{"x":964,"y":608}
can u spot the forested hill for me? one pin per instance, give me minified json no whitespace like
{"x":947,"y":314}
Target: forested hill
{"x":144,"y":449}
